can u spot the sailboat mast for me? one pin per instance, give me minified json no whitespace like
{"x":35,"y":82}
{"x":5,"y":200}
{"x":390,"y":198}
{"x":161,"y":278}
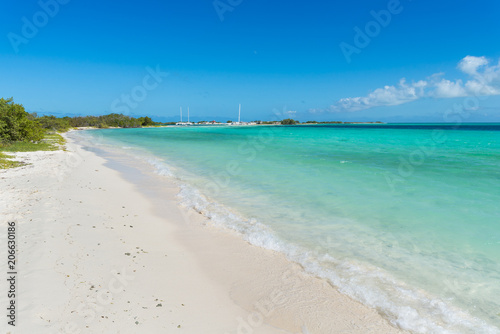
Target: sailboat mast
{"x":188,"y":114}
{"x":181,"y":114}
{"x":239,"y":114}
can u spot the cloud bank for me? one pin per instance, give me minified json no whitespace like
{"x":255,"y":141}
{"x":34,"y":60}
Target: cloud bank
{"x":484,"y":79}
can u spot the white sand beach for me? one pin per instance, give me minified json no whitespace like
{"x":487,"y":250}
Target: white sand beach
{"x":108,"y":250}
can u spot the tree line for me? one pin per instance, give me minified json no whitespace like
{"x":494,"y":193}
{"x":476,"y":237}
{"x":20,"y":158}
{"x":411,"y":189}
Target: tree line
{"x":16,"y":124}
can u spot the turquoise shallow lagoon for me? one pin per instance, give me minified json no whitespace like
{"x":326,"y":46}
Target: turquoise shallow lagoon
{"x":404,"y":218}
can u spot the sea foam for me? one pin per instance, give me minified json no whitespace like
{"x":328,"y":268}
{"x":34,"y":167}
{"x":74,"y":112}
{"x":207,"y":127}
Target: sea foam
{"x":405,"y":307}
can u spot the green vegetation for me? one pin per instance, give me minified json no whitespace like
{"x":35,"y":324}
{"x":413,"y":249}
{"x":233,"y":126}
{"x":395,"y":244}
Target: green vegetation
{"x":51,"y":142}
{"x":16,"y":124}
{"x":111,"y":120}
{"x":146,"y":121}
{"x":106,"y":121}
{"x":5,"y":162}
{"x":21,"y":131}
{"x":53,"y":123}
{"x":26,"y":146}
{"x":55,"y":139}
{"x":289,"y":121}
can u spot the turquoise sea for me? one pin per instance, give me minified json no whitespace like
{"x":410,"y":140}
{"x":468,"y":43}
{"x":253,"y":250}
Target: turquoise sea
{"x":404,"y":218}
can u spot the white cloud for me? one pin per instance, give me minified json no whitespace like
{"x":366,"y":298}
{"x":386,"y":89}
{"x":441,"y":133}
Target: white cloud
{"x":470,"y":64}
{"x":387,"y":96}
{"x":478,"y":88}
{"x":485,"y":80}
{"x":447,"y":89}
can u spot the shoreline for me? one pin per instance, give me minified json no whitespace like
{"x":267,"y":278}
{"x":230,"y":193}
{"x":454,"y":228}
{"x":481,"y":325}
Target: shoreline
{"x":94,"y":217}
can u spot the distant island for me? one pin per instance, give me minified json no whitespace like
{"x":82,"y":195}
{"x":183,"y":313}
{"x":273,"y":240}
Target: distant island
{"x":287,"y":121}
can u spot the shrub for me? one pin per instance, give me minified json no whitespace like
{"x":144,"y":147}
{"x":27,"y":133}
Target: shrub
{"x":288,"y":121}
{"x":53,"y":123}
{"x":16,"y":124}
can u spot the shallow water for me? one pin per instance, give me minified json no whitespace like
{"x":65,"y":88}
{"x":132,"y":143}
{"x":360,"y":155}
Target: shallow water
{"x":404,"y":218}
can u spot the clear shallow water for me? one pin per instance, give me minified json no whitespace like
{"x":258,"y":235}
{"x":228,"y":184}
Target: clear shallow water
{"x":404,"y":218}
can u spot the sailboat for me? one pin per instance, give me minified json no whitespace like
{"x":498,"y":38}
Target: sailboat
{"x":181,"y":122}
{"x":239,"y":116}
{"x":184,"y":123}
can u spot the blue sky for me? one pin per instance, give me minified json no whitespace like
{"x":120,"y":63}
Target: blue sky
{"x":395,"y":61}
